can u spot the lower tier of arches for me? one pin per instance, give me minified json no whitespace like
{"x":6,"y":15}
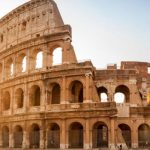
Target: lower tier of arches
{"x":75,"y":134}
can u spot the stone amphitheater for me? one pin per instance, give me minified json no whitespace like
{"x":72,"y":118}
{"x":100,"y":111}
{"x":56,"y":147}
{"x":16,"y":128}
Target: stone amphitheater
{"x":71,"y":105}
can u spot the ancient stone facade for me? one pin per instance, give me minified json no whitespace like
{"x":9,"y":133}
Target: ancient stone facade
{"x":70,"y":105}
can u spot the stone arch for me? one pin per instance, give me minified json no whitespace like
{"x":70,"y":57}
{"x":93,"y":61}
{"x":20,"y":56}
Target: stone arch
{"x":35,"y":95}
{"x":34,"y":136}
{"x":55,"y":93}
{"x":126,"y":134}
{"x":21,"y":63}
{"x":76,"y":135}
{"x":6,"y":100}
{"x":100,"y":135}
{"x":39,"y":59}
{"x":53,"y":136}
{"x":76,"y":92}
{"x":9,"y":67}
{"x":5,"y":137}
{"x":144,"y":136}
{"x":103,"y":94}
{"x":18,"y":136}
{"x":19,"y":96}
{"x":122,"y":94}
{"x":36,"y":58}
{"x":57,"y":55}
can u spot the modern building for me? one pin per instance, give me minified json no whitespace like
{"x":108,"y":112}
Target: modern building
{"x":68,"y":105}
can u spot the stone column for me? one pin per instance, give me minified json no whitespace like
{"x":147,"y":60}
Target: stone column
{"x":27,"y":61}
{"x":15,"y":66}
{"x":63,"y":135}
{"x":47,"y":57}
{"x":134,"y":138}
{"x":11,"y":140}
{"x":43,"y":98}
{"x":25,"y":143}
{"x":42,"y":139}
{"x":87,"y":88}
{"x":112,"y":135}
{"x":1,"y":137}
{"x":12,"y":101}
{"x":26,"y":98}
{"x":87,"y":135}
{"x":63,"y":91}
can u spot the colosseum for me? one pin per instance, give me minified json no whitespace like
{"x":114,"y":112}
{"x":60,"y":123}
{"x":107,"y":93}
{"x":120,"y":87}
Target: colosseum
{"x":71,"y":105}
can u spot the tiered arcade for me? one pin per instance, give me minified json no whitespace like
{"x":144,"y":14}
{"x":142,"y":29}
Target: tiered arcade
{"x":68,"y":105}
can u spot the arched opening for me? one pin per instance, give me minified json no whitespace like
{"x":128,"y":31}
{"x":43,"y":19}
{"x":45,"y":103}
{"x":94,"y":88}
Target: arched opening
{"x":57,"y":56}
{"x":5,"y":137}
{"x":9,"y":67}
{"x":119,"y":97}
{"x":18,"y":137}
{"x":122,"y":94}
{"x":21,"y":63}
{"x":103,"y":94}
{"x":6,"y":101}
{"x":53,"y":136}
{"x":76,"y":135}
{"x":126,"y":134}
{"x":39,"y":60}
{"x":55,"y":94}
{"x":144,"y":136}
{"x":2,"y":38}
{"x":35,"y":95}
{"x":24,"y":64}
{"x":34,"y":136}
{"x":100,"y":135}
{"x":76,"y":92}
{"x":19,"y":95}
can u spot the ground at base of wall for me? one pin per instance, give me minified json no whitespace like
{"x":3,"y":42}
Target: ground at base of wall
{"x":69,"y":149}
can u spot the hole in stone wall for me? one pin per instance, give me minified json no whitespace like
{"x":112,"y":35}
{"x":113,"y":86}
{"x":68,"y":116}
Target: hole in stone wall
{"x":119,"y":97}
{"x":39,"y":60}
{"x":24,"y":64}
{"x":2,"y":38}
{"x":57,"y":56}
{"x":149,"y":70}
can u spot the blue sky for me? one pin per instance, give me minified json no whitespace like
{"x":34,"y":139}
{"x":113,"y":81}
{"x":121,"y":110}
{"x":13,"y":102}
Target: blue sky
{"x":105,"y":31}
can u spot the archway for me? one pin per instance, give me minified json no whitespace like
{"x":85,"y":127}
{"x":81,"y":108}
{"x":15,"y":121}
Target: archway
{"x":76,"y":92}
{"x":5,"y":137}
{"x":122,"y":94}
{"x":103,"y":94}
{"x":19,"y":95}
{"x":100,"y":135}
{"x":53,"y":136}
{"x":34,"y":136}
{"x":24,"y":64}
{"x":57,"y":56}
{"x":55,"y":94}
{"x":6,"y":101}
{"x":9,"y":68}
{"x":144,"y":136}
{"x":76,"y":135}
{"x":39,"y":60}
{"x":35,"y":95}
{"x":126,"y":134}
{"x":18,"y":137}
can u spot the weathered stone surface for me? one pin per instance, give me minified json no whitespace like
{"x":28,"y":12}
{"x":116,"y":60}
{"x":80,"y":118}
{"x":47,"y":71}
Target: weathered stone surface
{"x":61,"y":106}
